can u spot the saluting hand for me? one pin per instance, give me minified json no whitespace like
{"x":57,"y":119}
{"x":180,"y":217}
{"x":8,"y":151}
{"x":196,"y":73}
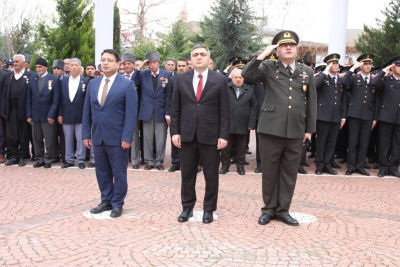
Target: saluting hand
{"x":266,"y":51}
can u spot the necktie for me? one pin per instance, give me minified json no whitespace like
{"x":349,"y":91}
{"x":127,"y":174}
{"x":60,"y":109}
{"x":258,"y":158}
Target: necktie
{"x":154,"y":74}
{"x":104,"y":93}
{"x":366,"y":80}
{"x":334,"y":80}
{"x":199,"y":88}
{"x":128,"y":76}
{"x":237,"y":92}
{"x":289,"y":70}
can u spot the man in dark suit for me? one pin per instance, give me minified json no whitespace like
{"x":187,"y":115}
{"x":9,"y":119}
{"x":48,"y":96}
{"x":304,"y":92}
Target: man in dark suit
{"x":284,"y":123}
{"x":331,"y":113}
{"x":243,"y":111}
{"x":388,"y":80}
{"x":41,"y":111}
{"x":109,"y":118}
{"x":2,"y":122}
{"x":72,"y":100}
{"x":200,"y":129}
{"x":58,"y":70}
{"x":362,"y":113}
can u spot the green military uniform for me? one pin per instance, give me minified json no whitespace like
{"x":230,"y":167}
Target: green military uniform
{"x":283,"y":122}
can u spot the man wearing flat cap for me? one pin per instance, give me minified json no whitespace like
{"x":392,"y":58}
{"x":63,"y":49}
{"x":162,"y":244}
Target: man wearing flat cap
{"x":284,"y":123}
{"x":58,"y":68}
{"x":331,"y":114}
{"x":153,"y":83}
{"x":362,"y":113}
{"x":41,"y":111}
{"x":388,"y":80}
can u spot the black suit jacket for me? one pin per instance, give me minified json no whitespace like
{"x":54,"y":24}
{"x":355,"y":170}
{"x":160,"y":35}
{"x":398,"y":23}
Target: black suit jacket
{"x":170,"y":89}
{"x":72,"y":112}
{"x":208,"y":119}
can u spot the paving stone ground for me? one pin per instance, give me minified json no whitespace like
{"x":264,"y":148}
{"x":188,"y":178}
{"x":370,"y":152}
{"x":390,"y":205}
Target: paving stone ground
{"x":345,"y":221}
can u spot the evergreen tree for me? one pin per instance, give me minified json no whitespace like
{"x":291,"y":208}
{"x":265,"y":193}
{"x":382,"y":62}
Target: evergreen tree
{"x":117,"y":29}
{"x":176,"y":43}
{"x":72,"y":34}
{"x":228,"y":30}
{"x":384,"y":41}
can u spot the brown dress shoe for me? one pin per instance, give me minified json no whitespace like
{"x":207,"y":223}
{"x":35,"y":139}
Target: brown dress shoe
{"x":2,"y":159}
{"x":160,"y":167}
{"x":148,"y":167}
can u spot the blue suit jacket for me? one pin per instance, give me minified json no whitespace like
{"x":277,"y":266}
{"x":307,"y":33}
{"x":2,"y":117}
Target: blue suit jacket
{"x":152,"y":101}
{"x":72,"y":112}
{"x":43,"y":105}
{"x":115,"y":121}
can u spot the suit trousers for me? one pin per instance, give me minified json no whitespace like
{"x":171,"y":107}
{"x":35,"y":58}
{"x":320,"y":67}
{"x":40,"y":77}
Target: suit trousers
{"x":60,"y":141}
{"x":71,"y":132}
{"x":135,"y":147}
{"x":359,"y":133}
{"x":258,"y":157}
{"x":389,"y":146}
{"x":189,"y":154}
{"x":154,"y":131}
{"x":17,"y":136}
{"x":2,"y":136}
{"x":92,"y":152}
{"x":327,"y":133}
{"x":111,"y":173}
{"x":48,"y":132}
{"x":239,"y":141}
{"x":280,"y":159}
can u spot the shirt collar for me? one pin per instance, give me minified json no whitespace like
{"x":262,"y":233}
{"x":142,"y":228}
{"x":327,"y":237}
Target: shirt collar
{"x":20,"y":73}
{"x":74,"y":79}
{"x":204,"y":74}
{"x":44,"y":75}
{"x":112,"y":78}
{"x":363,"y":76}
{"x":292,"y":65}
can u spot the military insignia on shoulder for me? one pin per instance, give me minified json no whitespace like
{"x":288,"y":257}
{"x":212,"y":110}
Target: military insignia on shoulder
{"x":50,"y":84}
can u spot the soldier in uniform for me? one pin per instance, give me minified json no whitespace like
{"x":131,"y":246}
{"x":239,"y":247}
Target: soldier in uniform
{"x":361,"y":113}
{"x":284,"y":122}
{"x":388,"y":80}
{"x":331,"y":113}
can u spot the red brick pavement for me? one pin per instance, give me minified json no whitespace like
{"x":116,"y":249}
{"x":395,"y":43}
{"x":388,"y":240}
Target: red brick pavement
{"x":42,"y":223}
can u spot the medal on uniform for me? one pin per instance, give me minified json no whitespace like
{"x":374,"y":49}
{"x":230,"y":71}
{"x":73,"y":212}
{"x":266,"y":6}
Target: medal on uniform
{"x":26,"y":78}
{"x":50,"y":82}
{"x":83,"y":87}
{"x":304,"y":87}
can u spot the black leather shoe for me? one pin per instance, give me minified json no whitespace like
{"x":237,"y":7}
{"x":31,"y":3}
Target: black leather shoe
{"x":91,"y":165}
{"x":38,"y":164}
{"x":246,"y":163}
{"x":305,"y":164}
{"x":248,"y":152}
{"x":174,"y":168}
{"x":232,"y":160}
{"x":335,"y":165}
{"x":12,"y":161}
{"x":21,"y":162}
{"x":240,"y":171}
{"x":47,"y":165}
{"x":264,"y":219}
{"x":185,"y":215}
{"x":82,"y":165}
{"x":330,"y":171}
{"x":103,"y":206}
{"x":289,"y":220}
{"x":381,"y":173}
{"x":135,"y":166}
{"x":349,"y":172}
{"x":66,"y":165}
{"x":301,"y":170}
{"x":208,"y":217}
{"x":376,"y":166}
{"x":116,"y":212}
{"x":362,"y":172}
{"x":224,"y":170}
{"x":343,"y":160}
{"x":33,"y":159}
{"x":318,"y":172}
{"x":366,"y":166}
{"x":258,"y":169}
{"x":395,"y":174}
{"x":56,"y":160}
{"x":311,"y":156}
{"x":371,"y":160}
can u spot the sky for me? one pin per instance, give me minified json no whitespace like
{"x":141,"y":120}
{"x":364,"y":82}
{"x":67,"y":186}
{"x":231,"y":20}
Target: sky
{"x":309,"y":18}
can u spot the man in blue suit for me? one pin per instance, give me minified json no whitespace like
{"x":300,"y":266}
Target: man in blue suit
{"x":73,"y":92}
{"x":110,"y":110}
{"x":153,"y":84}
{"x":41,"y":111}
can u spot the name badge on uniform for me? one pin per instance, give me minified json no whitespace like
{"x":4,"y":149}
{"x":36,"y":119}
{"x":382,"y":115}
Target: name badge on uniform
{"x":50,"y":83}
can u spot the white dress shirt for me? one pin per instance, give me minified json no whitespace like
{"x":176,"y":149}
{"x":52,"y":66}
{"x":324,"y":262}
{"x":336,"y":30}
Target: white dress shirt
{"x":19,"y":75}
{"x":196,"y":79}
{"x":112,"y":78}
{"x":73,"y":85}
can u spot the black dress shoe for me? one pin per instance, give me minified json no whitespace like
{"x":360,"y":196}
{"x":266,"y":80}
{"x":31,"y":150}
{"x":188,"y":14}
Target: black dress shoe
{"x":208,"y":217}
{"x":311,"y":156}
{"x":362,"y":172}
{"x":33,"y":159}
{"x":103,"y":206}
{"x":185,"y":215}
{"x":224,"y":170}
{"x":248,"y":152}
{"x":232,"y":160}
{"x":381,"y":173}
{"x":47,"y":165}
{"x":174,"y":168}
{"x":349,"y":172}
{"x":335,"y":165}
{"x":56,"y":160}
{"x":240,"y":171}
{"x":330,"y":171}
{"x":116,"y":212}
{"x":264,"y":219}
{"x":135,"y":166}
{"x":289,"y":220}
{"x":343,"y":160}
{"x":376,"y":166}
{"x":66,"y":165}
{"x":258,"y":169}
{"x":21,"y":162}
{"x":395,"y":174}
{"x":305,"y":164}
{"x":91,"y":165}
{"x":246,"y":163}
{"x":82,"y":165}
{"x":301,"y":170}
{"x":366,"y":166}
{"x":318,"y":172}
{"x":38,"y":164}
{"x":12,"y":161}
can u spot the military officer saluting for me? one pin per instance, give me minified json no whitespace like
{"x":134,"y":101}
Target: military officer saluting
{"x":361,"y":113}
{"x":331,"y":113}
